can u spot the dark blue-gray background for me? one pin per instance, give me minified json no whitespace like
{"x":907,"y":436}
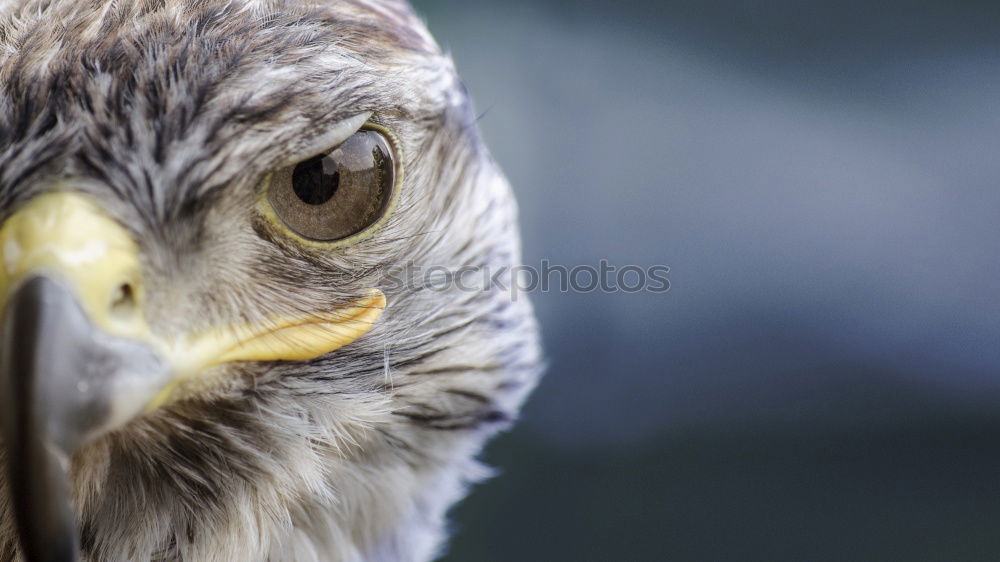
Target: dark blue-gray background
{"x":821,"y":382}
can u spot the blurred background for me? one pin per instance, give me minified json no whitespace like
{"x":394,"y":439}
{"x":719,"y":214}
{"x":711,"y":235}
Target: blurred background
{"x":821,"y":381}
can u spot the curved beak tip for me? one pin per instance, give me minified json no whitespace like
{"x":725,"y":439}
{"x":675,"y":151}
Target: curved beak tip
{"x":58,"y":381}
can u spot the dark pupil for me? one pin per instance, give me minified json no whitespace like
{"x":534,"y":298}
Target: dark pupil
{"x":316,"y":180}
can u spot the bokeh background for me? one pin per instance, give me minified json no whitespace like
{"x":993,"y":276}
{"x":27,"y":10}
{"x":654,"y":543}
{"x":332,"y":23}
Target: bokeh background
{"x":821,"y":382}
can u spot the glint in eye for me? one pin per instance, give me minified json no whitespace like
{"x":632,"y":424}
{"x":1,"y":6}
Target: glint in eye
{"x":337,"y":194}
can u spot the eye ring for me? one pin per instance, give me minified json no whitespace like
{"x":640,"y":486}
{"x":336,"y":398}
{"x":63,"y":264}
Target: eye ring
{"x":300,"y":214}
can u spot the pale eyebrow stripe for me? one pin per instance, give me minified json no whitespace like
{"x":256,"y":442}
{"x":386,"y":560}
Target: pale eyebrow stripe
{"x":335,"y":135}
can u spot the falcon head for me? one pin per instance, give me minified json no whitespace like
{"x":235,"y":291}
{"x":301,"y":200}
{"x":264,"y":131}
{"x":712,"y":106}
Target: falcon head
{"x":209,"y":349}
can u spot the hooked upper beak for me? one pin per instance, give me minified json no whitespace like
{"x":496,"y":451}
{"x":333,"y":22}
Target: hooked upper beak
{"x":77,"y":357}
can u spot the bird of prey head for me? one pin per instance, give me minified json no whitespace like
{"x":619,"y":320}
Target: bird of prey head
{"x":208,"y":351}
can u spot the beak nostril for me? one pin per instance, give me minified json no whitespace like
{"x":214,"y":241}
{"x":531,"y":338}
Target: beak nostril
{"x":123,"y":300}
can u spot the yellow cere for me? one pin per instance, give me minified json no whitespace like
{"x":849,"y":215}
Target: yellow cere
{"x":65,"y":236}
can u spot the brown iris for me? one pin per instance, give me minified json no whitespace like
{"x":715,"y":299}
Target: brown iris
{"x":339,"y":193}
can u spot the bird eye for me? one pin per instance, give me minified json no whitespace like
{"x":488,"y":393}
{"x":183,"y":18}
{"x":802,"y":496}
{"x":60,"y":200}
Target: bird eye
{"x":339,"y":193}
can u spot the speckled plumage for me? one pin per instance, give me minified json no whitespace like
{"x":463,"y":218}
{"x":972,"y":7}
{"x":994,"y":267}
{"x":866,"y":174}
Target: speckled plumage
{"x":169,"y":113}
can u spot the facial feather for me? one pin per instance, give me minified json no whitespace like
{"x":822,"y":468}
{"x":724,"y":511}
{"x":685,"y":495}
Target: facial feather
{"x":169,"y":113}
